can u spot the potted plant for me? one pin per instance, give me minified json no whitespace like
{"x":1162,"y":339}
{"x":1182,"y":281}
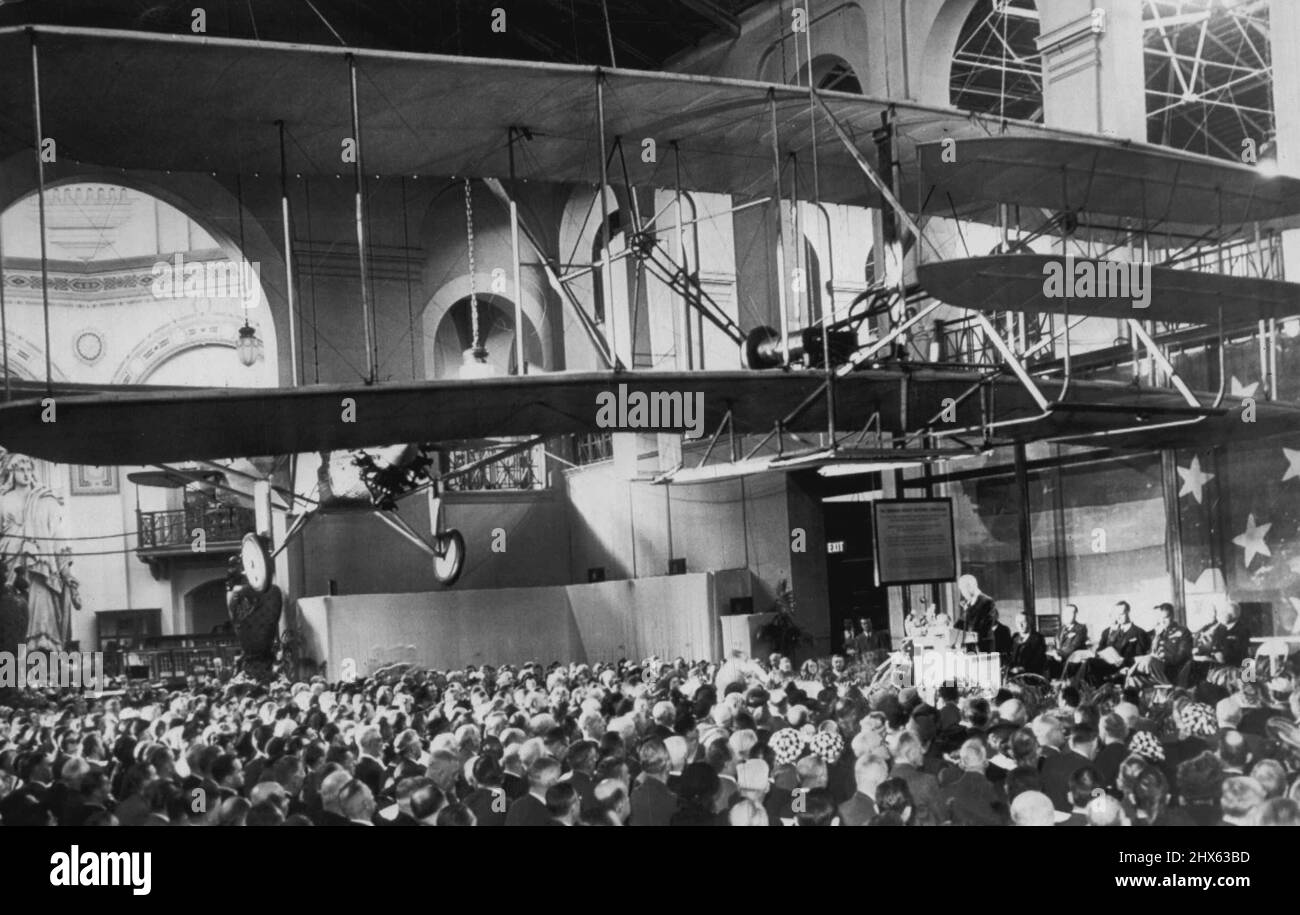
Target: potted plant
{"x":782,"y":633}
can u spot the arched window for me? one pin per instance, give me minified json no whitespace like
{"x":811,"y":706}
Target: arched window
{"x":996,"y":67}
{"x":832,"y":73}
{"x":1209,"y":76}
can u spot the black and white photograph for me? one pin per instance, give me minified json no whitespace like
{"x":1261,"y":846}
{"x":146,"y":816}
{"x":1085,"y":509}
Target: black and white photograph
{"x":652,"y":413}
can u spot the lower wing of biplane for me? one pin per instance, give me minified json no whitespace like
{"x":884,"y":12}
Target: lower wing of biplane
{"x":902,"y":399}
{"x":888,"y":416}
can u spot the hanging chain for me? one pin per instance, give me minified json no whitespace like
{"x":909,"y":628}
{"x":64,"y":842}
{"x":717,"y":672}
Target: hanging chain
{"x":469,"y":234}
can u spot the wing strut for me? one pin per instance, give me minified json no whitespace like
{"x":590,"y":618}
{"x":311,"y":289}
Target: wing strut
{"x":867,"y":170}
{"x":1194,"y":404}
{"x":553,"y":278}
{"x":359,"y":182}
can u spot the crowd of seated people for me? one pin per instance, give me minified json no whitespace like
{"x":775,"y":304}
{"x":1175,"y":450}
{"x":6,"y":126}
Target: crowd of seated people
{"x":654,"y":743}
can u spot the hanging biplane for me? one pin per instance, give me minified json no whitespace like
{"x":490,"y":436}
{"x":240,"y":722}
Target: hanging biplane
{"x":214,"y":105}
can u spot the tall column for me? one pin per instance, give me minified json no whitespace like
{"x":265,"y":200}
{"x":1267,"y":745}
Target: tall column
{"x":1026,"y":532}
{"x":1284,"y":34}
{"x":1093,"y":69}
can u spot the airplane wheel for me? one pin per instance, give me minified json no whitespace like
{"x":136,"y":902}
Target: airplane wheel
{"x":450,"y":561}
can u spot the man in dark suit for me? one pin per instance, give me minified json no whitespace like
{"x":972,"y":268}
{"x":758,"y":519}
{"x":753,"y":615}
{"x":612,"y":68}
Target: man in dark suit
{"x":35,"y":774}
{"x":1059,"y":768}
{"x":581,"y":760}
{"x":531,"y":810}
{"x":971,"y":798}
{"x":488,"y":801}
{"x":979,"y":617}
{"x":426,"y":802}
{"x":868,"y":773}
{"x":1231,"y":642}
{"x":166,"y":804}
{"x":1001,"y":637}
{"x":357,"y":803}
{"x":94,"y":797}
{"x":1072,"y":637}
{"x":399,"y":812}
{"x":653,"y":803}
{"x":1028,"y":648}
{"x":1113,"y":751}
{"x":1223,"y":642}
{"x":1085,"y":784}
{"x":370,"y":769}
{"x":330,"y":787}
{"x":1125,"y":638}
{"x":256,"y":759}
{"x":909,"y":757}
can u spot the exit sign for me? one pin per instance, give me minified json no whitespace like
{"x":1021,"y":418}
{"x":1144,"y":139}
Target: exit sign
{"x":835,"y":546}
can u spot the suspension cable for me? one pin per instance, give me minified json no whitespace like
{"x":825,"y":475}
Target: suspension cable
{"x":469,"y":235}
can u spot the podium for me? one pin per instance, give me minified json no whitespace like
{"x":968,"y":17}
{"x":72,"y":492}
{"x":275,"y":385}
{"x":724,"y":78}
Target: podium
{"x":740,"y":633}
{"x":933,"y":669}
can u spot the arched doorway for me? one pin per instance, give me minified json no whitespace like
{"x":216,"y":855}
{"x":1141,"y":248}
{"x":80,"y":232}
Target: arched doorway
{"x":496,"y":322}
{"x":205,"y":607}
{"x":140,"y":291}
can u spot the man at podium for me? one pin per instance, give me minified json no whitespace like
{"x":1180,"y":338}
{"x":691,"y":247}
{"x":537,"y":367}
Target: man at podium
{"x":979,"y":615}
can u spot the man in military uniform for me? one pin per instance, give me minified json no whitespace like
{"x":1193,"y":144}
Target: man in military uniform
{"x":1072,"y":637}
{"x":1171,"y":649}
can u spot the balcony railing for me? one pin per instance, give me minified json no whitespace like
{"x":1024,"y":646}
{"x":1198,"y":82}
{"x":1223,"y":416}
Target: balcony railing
{"x":516,"y":472}
{"x":170,"y":531}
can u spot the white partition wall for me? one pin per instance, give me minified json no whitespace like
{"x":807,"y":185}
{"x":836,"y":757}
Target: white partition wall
{"x":666,"y":616}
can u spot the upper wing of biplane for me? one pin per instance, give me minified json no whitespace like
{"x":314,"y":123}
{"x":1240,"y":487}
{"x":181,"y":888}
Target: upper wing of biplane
{"x":201,"y":104}
{"x":1019,"y":282}
{"x":145,"y":428}
{"x":1156,"y":185}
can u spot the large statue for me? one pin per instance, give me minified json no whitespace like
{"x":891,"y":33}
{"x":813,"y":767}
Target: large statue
{"x":31,"y":532}
{"x":13,"y":612}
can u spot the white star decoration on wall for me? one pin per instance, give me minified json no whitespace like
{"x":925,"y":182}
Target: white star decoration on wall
{"x":1243,"y":390}
{"x":1292,"y":464}
{"x":1252,"y":540}
{"x":1194,"y":479}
